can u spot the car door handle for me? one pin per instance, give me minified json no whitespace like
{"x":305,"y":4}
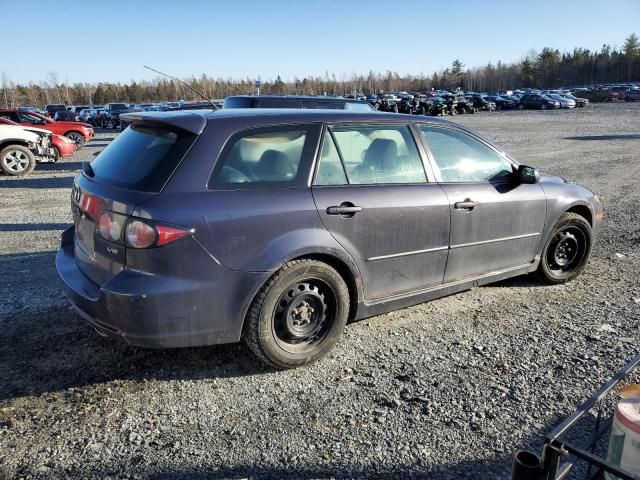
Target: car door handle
{"x":467,"y":204}
{"x":343,"y":210}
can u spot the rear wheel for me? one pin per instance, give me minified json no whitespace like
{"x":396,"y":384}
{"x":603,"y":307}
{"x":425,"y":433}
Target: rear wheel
{"x":76,"y":137}
{"x":16,"y":160}
{"x":299,"y":315}
{"x":521,"y":107}
{"x":567,"y":250}
{"x":543,"y":106}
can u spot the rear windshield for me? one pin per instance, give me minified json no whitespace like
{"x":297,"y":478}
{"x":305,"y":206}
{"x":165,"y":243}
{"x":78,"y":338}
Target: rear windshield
{"x":142,"y":158}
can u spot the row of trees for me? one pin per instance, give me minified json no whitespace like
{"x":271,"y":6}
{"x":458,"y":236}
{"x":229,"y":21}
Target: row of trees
{"x":548,"y":68}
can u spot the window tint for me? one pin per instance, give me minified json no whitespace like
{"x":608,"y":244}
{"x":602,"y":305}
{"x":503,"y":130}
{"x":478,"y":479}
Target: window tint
{"x":280,"y":103}
{"x":379,"y":154}
{"x":141,"y":158}
{"x":26,"y":118}
{"x":330,"y":171}
{"x":359,"y":107}
{"x":261,"y":158}
{"x":462,"y":158}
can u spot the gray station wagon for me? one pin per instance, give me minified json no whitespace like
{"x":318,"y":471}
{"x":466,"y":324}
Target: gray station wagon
{"x":279,"y":226}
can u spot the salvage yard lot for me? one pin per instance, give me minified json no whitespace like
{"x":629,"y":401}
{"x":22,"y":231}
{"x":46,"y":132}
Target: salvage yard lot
{"x":446,"y":389}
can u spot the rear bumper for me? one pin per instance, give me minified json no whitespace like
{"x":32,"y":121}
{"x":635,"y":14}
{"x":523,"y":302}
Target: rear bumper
{"x":161,"y":310}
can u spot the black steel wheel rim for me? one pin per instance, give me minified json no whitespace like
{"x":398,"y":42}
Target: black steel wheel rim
{"x":303,"y":315}
{"x":567,"y":250}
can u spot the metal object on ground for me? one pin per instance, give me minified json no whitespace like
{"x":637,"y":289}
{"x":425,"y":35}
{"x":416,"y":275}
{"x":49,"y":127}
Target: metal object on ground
{"x":556,"y":446}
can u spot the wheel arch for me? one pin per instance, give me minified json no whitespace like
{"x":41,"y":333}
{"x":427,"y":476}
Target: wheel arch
{"x":583,"y":211}
{"x":13,"y":141}
{"x":348,"y":273}
{"x":352,"y":279}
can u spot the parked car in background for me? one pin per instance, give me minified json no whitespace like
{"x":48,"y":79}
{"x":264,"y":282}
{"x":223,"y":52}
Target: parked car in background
{"x":87,"y":114}
{"x":564,"y":101}
{"x":62,"y":146}
{"x":294,"y":229}
{"x":291,"y":101}
{"x":501,"y":102}
{"x":20,"y":149}
{"x":480,"y":102}
{"x":632,"y":95}
{"x":78,"y":108}
{"x":76,"y":131}
{"x":65,"y":116}
{"x":580,"y":102}
{"x":538,"y":101}
{"x":51,"y":109}
{"x":599,"y":95}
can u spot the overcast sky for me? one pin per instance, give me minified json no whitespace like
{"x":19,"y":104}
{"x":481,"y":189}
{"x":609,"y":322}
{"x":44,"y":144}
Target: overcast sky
{"x":91,"y":41}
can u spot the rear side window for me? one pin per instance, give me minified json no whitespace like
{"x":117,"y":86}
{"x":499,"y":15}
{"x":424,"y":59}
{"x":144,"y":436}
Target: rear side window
{"x":142,"y":158}
{"x":372,"y":155}
{"x":265,"y":157}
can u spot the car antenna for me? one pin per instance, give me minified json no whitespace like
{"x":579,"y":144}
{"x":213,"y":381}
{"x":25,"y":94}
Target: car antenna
{"x":184,"y":83}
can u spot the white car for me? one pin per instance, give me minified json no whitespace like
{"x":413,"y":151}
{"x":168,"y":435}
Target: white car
{"x":21,"y":148}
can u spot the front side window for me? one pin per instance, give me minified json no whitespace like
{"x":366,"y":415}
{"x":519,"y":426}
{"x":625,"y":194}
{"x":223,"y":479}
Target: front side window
{"x":462,"y":158}
{"x":373,"y":155}
{"x":265,"y":158}
{"x":27,"y":118}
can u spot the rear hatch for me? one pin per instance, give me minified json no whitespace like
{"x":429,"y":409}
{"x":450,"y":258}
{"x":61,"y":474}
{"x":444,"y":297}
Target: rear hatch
{"x":133,"y":168}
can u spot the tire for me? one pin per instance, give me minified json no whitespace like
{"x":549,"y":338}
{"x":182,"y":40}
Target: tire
{"x":543,"y":106}
{"x":395,"y":109}
{"x":566,"y":251}
{"x":298,"y":315}
{"x":16,"y":160}
{"x":57,"y":154}
{"x":521,"y":107}
{"x":77,"y":137}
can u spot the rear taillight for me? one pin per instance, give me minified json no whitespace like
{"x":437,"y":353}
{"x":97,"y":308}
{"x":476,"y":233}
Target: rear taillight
{"x":140,"y":235}
{"x":91,"y":205}
{"x":145,"y":235}
{"x":110,"y":226}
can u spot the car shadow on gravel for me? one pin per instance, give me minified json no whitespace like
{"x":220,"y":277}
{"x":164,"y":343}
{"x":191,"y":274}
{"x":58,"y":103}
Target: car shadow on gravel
{"x":52,"y":350}
{"x":35,"y":182}
{"x":46,"y":347}
{"x":522,"y":281}
{"x":627,"y":136}
{"x":32,"y":227}
{"x":54,"y":167}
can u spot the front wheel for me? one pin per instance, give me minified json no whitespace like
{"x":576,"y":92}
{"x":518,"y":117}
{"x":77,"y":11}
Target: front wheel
{"x":16,"y":160}
{"x":299,"y":315}
{"x":76,"y":137}
{"x":567,"y":251}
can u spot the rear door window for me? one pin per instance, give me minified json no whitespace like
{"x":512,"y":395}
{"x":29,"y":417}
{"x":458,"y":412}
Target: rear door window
{"x":373,"y":154}
{"x":266,"y":158}
{"x":142,"y":157}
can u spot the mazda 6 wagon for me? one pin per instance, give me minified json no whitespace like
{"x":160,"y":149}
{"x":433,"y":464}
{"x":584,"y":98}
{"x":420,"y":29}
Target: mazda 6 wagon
{"x":279,"y":226}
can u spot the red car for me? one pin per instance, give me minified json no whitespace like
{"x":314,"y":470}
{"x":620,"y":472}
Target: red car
{"x":76,"y":131}
{"x":64,"y":146}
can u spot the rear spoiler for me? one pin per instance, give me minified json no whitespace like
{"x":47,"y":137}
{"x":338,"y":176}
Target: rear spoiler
{"x":190,"y":121}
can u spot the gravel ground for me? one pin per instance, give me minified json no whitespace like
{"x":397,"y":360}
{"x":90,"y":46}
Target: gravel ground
{"x":443,"y":390}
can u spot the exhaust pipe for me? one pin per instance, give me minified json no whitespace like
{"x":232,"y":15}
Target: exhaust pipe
{"x":526,"y":466}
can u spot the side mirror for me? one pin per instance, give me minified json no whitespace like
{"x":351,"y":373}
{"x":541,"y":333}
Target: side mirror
{"x":528,"y":175}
